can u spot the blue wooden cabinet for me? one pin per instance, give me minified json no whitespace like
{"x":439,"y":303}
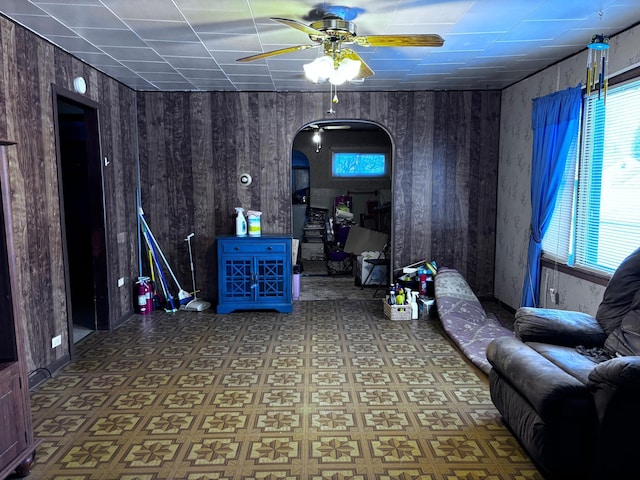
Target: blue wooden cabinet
{"x":254,"y":273}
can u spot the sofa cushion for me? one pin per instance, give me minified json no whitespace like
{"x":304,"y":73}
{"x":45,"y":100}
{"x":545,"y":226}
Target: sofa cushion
{"x":559,"y":327}
{"x":566,"y":358}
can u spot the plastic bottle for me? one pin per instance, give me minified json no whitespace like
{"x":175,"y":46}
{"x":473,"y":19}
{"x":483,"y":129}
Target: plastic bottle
{"x":423,"y":284}
{"x":241,"y":222}
{"x":392,"y":295}
{"x":414,"y":306}
{"x":400,"y":298}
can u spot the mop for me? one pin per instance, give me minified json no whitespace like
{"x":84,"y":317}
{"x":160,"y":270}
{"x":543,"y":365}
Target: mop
{"x":195,"y":305}
{"x":163,"y":281}
{"x":183,"y":296}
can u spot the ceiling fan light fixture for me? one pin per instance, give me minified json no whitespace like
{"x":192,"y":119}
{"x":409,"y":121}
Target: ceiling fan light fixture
{"x":322,"y":69}
{"x":348,"y":69}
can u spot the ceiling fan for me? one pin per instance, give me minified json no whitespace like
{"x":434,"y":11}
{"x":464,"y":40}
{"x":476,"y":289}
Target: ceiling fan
{"x":332,"y":33}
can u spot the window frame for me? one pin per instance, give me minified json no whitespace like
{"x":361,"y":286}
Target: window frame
{"x":567,"y":264}
{"x":363,"y":151}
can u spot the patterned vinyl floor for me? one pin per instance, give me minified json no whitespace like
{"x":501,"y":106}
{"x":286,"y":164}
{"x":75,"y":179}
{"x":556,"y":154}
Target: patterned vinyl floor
{"x":333,"y":390}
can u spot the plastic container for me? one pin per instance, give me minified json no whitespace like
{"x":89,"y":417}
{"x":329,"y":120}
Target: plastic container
{"x":295,"y":283}
{"x":396,"y":312}
{"x":253,"y":218}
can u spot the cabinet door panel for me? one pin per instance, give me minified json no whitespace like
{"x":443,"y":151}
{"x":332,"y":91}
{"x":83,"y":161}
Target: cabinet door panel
{"x":270,"y":278}
{"x":12,"y":427}
{"x":238,"y":278}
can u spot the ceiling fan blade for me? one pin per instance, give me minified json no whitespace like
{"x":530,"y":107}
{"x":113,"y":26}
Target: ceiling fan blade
{"x":300,"y":26}
{"x":417,"y":40}
{"x":365,"y":70}
{"x":273,"y":53}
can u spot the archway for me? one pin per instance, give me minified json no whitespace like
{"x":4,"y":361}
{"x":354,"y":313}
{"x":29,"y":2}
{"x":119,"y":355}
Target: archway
{"x":349,"y":183}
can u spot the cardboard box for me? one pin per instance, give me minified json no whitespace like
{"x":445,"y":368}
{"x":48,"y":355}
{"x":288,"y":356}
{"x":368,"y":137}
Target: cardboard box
{"x":365,"y":240}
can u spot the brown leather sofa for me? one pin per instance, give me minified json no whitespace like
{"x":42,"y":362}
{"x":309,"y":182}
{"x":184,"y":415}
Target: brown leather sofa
{"x":568,"y":384}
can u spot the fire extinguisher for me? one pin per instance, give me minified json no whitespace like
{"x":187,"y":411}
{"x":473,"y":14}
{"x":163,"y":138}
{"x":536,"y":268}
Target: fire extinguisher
{"x":145,"y":301}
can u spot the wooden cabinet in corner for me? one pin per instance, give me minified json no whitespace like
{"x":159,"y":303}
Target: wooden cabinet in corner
{"x":254,"y":273}
{"x":17,"y":442}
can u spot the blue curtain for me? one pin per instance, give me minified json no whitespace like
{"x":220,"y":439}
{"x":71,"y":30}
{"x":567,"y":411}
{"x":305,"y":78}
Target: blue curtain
{"x":555,"y":122}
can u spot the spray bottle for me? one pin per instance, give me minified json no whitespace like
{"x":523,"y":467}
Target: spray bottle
{"x":241,"y":222}
{"x":414,"y":306}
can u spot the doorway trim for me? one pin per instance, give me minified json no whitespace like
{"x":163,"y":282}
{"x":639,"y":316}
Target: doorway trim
{"x":63,"y":94}
{"x":331,"y":121}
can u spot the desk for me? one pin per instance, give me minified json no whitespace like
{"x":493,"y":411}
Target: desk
{"x":376,"y":262}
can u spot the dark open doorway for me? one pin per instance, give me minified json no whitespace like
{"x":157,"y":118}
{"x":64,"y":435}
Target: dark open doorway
{"x":342,"y":177}
{"x":82,"y":209}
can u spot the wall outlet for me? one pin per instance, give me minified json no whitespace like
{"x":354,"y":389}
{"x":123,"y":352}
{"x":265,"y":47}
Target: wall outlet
{"x":56,"y":341}
{"x":121,"y":282}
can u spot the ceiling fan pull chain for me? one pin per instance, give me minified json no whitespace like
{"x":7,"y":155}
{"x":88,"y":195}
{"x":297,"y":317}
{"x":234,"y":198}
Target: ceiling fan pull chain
{"x":332,"y":89}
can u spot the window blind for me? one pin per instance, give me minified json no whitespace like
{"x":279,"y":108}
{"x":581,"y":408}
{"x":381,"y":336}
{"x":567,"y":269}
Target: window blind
{"x":608,"y":195}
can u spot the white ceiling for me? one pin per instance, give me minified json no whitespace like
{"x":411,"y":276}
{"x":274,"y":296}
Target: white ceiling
{"x":194,"y":44}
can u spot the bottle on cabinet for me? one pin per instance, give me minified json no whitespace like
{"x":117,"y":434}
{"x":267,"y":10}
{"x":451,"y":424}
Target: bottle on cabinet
{"x":241,"y":222}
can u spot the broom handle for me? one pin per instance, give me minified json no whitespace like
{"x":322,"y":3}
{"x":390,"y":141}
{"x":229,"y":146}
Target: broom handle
{"x":193,"y":277}
{"x":163,"y":281}
{"x":144,"y":222}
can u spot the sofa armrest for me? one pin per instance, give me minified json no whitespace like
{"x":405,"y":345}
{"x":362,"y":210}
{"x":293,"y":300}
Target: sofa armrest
{"x":619,"y":372}
{"x":558,"y":327}
{"x":551,"y":391}
{"x":615,"y":386}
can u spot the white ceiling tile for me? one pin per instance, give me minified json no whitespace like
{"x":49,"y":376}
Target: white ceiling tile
{"x":488,"y":43}
{"x":161,"y":30}
{"x":192,"y":63}
{"x":133,"y":53}
{"x":246,"y":43}
{"x":20,"y":7}
{"x":43,"y":25}
{"x":179,"y":49}
{"x":218,"y":5}
{"x":97,"y":59}
{"x":211,"y":83}
{"x":109,"y":37}
{"x":197,"y":74}
{"x":144,"y":9}
{"x":92,"y":16}
{"x":149,"y":67}
{"x":73,"y":44}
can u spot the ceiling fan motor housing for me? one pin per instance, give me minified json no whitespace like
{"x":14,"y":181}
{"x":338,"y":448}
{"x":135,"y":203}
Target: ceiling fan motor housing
{"x":333,"y":26}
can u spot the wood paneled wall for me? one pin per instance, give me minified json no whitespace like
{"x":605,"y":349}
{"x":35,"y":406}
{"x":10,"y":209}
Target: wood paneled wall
{"x":193,"y":146}
{"x":31,"y":67}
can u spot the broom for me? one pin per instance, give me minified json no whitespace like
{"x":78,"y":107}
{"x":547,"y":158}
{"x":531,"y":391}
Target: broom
{"x":163,"y":281}
{"x":157,"y":298}
{"x":184,"y":297}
